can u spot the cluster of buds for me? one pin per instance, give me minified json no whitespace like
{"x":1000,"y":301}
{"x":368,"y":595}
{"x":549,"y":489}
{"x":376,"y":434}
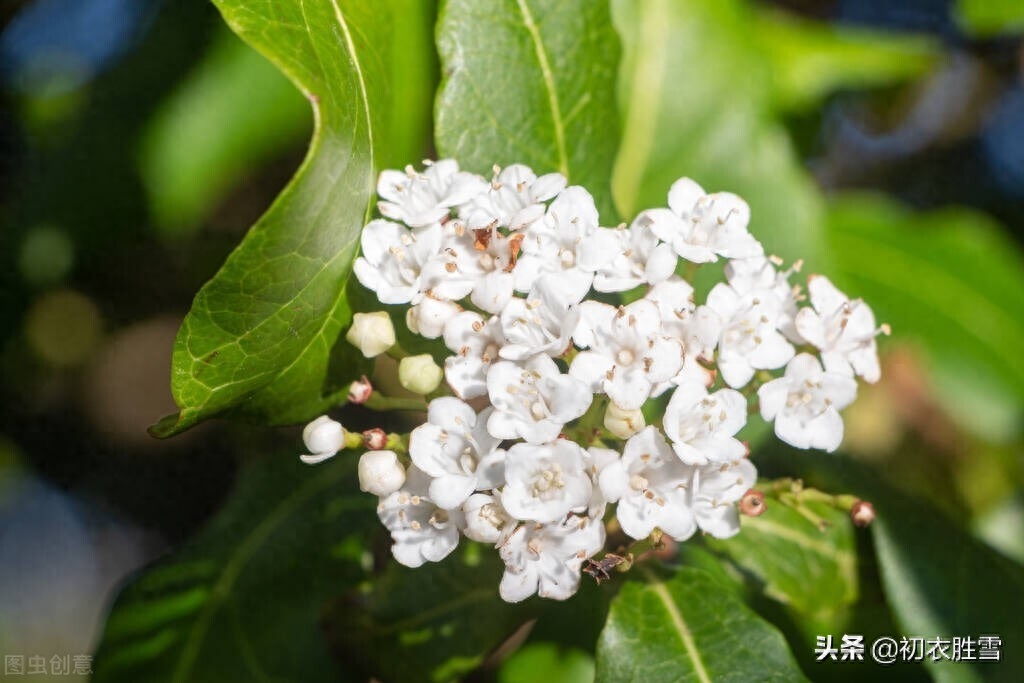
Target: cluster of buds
{"x":544,"y":436}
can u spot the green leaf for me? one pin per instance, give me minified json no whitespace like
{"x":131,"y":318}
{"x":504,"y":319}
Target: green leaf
{"x":947,"y":281}
{"x":433,"y":623}
{"x":990,"y":17}
{"x":690,"y":627}
{"x":813,"y":572}
{"x":942,"y":582}
{"x":530,"y":81}
{"x":234,"y":112}
{"x":696,"y":98}
{"x":258,"y":340}
{"x":217,"y":610}
{"x":810,"y":59}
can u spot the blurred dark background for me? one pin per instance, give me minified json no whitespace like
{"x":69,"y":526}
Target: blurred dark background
{"x":138,"y":141}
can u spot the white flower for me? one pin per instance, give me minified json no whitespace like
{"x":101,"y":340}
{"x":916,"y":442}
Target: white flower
{"x":805,"y":404}
{"x":454,"y":448}
{"x":421,"y":531}
{"x":546,"y":482}
{"x":749,"y":340}
{"x":476,"y":343}
{"x":757,"y":275}
{"x":714,"y":491}
{"x":419,"y":199}
{"x":323,"y":437}
{"x":696,"y":327}
{"x":628,"y":353}
{"x":844,"y":330}
{"x":533,"y":401}
{"x":541,"y":323}
{"x":702,"y":227}
{"x":484,"y":259}
{"x":419,"y":374}
{"x":702,"y":426}
{"x":380,"y":473}
{"x":398,"y":264}
{"x":639,"y":258}
{"x":486,"y":519}
{"x":566,"y":245}
{"x":546,"y":558}
{"x":649,"y":484}
{"x":513,"y":199}
{"x":598,"y":459}
{"x":429,"y":317}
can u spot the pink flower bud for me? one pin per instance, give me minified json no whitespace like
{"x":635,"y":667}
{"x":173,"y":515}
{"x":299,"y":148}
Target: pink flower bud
{"x":375,"y":439}
{"x":360,"y":391}
{"x":752,"y":503}
{"x":862,"y":513}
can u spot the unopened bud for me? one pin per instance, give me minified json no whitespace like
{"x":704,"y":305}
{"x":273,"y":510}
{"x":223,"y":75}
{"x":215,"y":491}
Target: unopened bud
{"x":428,"y":317}
{"x":420,"y":374}
{"x":862,"y":513}
{"x":375,"y":439}
{"x":623,"y":423}
{"x":323,"y":437}
{"x":371,"y":333}
{"x":752,"y":503}
{"x":380,"y":473}
{"x":359,"y":392}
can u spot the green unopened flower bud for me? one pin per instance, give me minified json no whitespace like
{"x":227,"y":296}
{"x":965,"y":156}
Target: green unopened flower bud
{"x":420,"y":374}
{"x":623,"y":423}
{"x":371,"y":333}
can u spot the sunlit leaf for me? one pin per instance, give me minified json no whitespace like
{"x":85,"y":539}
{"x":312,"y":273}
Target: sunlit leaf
{"x":259,"y":338}
{"x":530,"y":81}
{"x":690,"y":627}
{"x":990,"y":17}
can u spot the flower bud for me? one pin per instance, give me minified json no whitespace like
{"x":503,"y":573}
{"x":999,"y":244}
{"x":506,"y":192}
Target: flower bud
{"x":323,"y":437}
{"x":420,"y":374}
{"x":862,"y":513}
{"x":359,"y":392}
{"x":371,"y":333}
{"x":375,"y":439}
{"x":380,"y":473}
{"x":623,"y":423}
{"x":752,"y":503}
{"x":428,"y":317}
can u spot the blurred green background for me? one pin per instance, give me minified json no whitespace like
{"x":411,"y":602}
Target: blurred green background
{"x":139,"y":139}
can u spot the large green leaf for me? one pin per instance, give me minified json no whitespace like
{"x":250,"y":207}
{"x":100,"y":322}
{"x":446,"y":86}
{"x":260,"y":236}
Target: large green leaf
{"x":690,"y":627}
{"x":813,"y":572}
{"x":697,"y":101}
{"x":259,"y":337}
{"x":530,"y":81}
{"x":242,"y":601}
{"x":948,"y":281}
{"x":433,"y":623}
{"x":233,"y":112}
{"x":942,"y":582}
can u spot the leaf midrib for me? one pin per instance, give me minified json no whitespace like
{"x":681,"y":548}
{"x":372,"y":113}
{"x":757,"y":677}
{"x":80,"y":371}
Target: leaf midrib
{"x":679,"y":624}
{"x":549,"y":85}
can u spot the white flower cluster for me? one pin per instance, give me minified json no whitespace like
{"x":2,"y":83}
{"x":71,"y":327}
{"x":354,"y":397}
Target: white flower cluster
{"x":504,"y":271}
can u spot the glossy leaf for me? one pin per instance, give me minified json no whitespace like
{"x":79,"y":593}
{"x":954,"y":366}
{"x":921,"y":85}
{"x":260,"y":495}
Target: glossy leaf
{"x":690,"y":627}
{"x":259,"y":338}
{"x":530,"y":81}
{"x":811,"y":59}
{"x":436,"y":622}
{"x":290,"y":538}
{"x":947,"y":281}
{"x":811,"y":571}
{"x":234,"y":112}
{"x":546,"y":661}
{"x":696,"y":98}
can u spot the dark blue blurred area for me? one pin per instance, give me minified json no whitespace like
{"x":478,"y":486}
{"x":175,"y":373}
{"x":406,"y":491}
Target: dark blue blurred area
{"x":61,"y":44}
{"x":919,"y":16}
